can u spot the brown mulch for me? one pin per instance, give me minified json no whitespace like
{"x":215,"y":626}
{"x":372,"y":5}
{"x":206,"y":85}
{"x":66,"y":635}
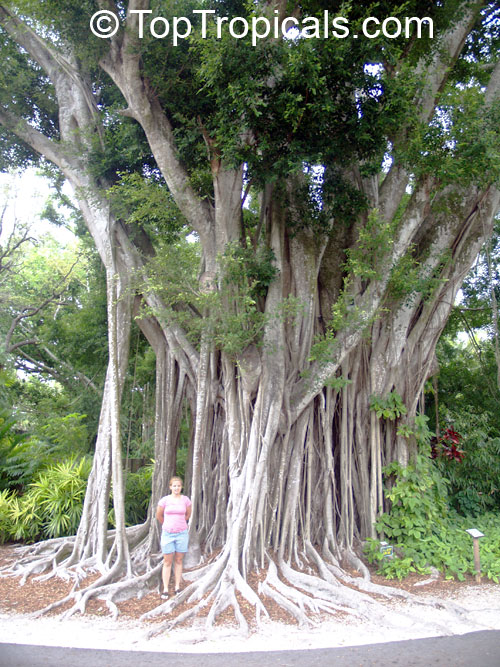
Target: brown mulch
{"x":36,"y":594}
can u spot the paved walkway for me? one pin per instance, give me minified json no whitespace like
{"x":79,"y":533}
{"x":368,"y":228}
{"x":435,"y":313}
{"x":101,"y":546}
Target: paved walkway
{"x":477,"y":649}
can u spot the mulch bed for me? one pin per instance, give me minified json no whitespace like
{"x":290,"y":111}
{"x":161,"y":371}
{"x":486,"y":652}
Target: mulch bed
{"x":37,"y":594}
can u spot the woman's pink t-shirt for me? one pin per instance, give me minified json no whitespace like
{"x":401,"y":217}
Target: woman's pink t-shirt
{"x":174,"y":513}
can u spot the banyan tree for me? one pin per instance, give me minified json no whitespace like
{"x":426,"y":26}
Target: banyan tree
{"x":336,"y":192}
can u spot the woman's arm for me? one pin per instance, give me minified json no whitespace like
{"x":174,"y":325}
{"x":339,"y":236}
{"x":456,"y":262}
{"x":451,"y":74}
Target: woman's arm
{"x":160,"y":511}
{"x":188,"y":512}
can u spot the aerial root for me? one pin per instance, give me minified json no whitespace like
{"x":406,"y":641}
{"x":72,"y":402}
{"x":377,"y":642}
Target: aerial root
{"x":225,"y":598}
{"x":230,"y":583}
{"x":296,"y":602}
{"x":37,"y":558}
{"x":115,"y":591}
{"x":222,"y":581}
{"x":290,"y":599}
{"x":202,"y":590}
{"x":362,"y":583}
{"x":388,"y":592}
{"x":343,"y":598}
{"x":170,"y":605}
{"x":219,"y":585}
{"x":108,"y":588}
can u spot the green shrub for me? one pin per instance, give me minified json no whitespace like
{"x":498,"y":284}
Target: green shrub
{"x":58,"y":494}
{"x":425,"y":532}
{"x":23,"y":456}
{"x":53,"y":504}
{"x":25,"y":520}
{"x":475,"y":480}
{"x":15,"y":463}
{"x":5,"y":516}
{"x":67,"y":435}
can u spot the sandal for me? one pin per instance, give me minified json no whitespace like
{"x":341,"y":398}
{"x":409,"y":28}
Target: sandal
{"x":164,"y":596}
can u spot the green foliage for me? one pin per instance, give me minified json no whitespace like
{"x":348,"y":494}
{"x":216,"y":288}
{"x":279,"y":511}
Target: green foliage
{"x":53,"y":504}
{"x":462,"y":143}
{"x":15,"y":468}
{"x":338,"y":383}
{"x":26,"y":91}
{"x":467,"y":380}
{"x":489,"y":547}
{"x":391,"y":567}
{"x":5,"y":520}
{"x":230,"y":308}
{"x":475,"y":481}
{"x":410,"y":278}
{"x":68,"y":434}
{"x":138,"y":495}
{"x":389,"y":407}
{"x":417,"y":498}
{"x":181,"y":461}
{"x":45,"y":409}
{"x":449,"y":549}
{"x":55,"y":292}
{"x":23,"y":454}
{"x":235,"y":319}
{"x":467,"y":399}
{"x":425,"y":531}
{"x":243,"y":265}
{"x":365,"y":259}
{"x":306,"y":101}
{"x":346,"y":315}
{"x":145,"y":204}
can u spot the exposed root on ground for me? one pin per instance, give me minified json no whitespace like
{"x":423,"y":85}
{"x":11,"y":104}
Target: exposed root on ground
{"x":326,"y":588}
{"x":304,"y":597}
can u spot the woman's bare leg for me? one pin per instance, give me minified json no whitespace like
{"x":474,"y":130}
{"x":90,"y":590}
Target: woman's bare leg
{"x":179,"y":557}
{"x":165,"y":572}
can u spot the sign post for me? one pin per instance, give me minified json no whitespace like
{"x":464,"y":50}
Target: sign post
{"x":476,"y":534}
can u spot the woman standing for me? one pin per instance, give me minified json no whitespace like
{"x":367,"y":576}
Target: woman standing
{"x":173,"y":513}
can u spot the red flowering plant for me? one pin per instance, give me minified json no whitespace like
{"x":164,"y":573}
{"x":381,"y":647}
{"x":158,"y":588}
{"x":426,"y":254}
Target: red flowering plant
{"x":447,"y":446}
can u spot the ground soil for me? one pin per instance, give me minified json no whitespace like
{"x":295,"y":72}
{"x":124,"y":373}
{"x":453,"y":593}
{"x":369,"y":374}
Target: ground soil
{"x":36,"y":594}
{"x":394,"y":620}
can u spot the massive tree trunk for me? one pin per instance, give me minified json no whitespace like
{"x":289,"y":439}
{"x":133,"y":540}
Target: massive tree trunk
{"x":297,"y":482}
{"x":286,"y":453}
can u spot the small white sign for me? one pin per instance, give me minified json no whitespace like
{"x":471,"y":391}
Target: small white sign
{"x":474,"y":532}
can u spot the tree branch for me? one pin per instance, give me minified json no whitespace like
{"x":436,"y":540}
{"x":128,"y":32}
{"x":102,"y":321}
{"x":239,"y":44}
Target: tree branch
{"x":434,"y":72}
{"x":31,"y":311}
{"x":493,"y":89}
{"x":81,"y":376}
{"x":123,"y":65}
{"x":52,"y":61}
{"x":35,"y":139}
{"x":30,"y":41}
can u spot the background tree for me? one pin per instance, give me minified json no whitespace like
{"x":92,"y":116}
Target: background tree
{"x":465,"y":393}
{"x":53,"y":322}
{"x":370,"y":167}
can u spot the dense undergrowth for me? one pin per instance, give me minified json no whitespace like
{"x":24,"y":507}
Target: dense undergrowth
{"x":51,"y":504}
{"x":426,"y":531}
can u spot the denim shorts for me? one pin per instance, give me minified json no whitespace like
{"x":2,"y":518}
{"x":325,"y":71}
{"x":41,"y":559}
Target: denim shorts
{"x":174,"y":542}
